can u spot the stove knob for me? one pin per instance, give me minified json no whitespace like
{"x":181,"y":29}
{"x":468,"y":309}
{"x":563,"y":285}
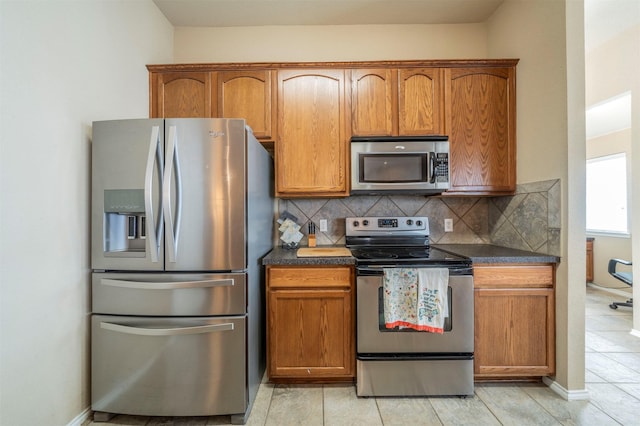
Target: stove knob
{"x":418,"y":223}
{"x":356,"y":223}
{"x":365,"y":223}
{"x":409,"y":222}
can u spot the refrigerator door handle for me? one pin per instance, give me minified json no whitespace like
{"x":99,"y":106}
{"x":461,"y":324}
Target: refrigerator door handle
{"x":177,"y":331}
{"x":143,"y":285}
{"x":153,"y":232}
{"x":173,"y":163}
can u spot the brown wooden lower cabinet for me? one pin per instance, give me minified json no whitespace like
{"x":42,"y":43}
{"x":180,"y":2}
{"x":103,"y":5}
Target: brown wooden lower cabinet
{"x":590,"y":259}
{"x":310,"y":324}
{"x":514,"y":321}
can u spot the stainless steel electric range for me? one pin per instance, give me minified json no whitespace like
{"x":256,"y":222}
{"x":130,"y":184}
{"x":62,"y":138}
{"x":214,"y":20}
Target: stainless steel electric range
{"x":401,"y":361}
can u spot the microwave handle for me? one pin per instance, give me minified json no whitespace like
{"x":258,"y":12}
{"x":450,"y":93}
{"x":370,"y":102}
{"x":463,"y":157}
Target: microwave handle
{"x":432,"y":167}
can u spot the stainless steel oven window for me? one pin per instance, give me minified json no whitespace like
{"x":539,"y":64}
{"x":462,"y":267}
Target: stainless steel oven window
{"x":382,"y":326}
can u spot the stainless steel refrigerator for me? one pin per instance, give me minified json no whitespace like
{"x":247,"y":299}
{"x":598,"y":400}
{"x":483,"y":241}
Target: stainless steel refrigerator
{"x":182,"y":211}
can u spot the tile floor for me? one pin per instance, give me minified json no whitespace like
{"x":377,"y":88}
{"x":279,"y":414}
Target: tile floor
{"x":612,"y":376}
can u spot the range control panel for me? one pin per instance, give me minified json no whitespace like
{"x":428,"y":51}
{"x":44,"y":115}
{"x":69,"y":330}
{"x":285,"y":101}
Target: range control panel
{"x":388,"y":225}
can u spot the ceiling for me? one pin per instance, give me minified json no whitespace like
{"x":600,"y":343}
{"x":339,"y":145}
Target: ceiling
{"x":603,"y":18}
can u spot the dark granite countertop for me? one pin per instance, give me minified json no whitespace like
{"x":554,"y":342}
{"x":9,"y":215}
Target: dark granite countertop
{"x":478,"y":253}
{"x":281,"y":256}
{"x":487,"y":253}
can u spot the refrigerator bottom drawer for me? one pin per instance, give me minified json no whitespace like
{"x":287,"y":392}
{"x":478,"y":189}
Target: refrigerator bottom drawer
{"x":168,"y":366}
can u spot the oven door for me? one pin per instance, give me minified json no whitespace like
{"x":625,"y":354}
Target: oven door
{"x":375,"y":338}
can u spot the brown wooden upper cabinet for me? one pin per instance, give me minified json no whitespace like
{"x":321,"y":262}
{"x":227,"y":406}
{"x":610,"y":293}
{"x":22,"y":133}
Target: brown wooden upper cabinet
{"x":312,"y":143}
{"x":247,"y":94}
{"x":307,"y":112}
{"x":480,"y":111}
{"x":180,"y":94}
{"x":230,"y":94}
{"x":391,"y":102}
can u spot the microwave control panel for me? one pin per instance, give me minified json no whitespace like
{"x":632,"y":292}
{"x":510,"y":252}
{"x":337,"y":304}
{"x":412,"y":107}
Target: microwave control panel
{"x":441,"y":167}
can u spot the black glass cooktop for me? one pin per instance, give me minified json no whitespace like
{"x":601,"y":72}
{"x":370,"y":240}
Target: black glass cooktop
{"x":404,"y":255}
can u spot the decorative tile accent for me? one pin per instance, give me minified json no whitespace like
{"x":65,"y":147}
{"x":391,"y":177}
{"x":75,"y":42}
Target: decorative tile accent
{"x":528,"y":220}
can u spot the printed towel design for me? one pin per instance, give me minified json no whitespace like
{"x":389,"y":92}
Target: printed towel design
{"x":416,"y":298}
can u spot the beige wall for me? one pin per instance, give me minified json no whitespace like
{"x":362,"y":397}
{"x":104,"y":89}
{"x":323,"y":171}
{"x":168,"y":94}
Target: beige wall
{"x":64,"y":64}
{"x":329,"y":43}
{"x":550,"y":90}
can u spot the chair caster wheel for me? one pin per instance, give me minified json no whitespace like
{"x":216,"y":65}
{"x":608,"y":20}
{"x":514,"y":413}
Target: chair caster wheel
{"x":612,"y":306}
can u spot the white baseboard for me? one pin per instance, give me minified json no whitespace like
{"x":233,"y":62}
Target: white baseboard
{"x":567,"y":395}
{"x":81,"y":418}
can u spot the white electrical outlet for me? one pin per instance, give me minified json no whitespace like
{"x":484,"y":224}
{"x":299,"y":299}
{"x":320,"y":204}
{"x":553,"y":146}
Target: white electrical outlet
{"x":323,"y":225}
{"x":448,"y":225}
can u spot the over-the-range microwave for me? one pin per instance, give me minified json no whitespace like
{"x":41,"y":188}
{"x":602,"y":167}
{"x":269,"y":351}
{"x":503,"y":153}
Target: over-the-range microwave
{"x":399,"y":164}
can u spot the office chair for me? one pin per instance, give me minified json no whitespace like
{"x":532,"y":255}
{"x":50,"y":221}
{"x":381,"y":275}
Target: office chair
{"x":625,"y":277}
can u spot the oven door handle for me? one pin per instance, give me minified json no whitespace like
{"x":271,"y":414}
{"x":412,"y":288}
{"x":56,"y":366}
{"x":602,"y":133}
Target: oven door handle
{"x":378,"y":269}
{"x":373,"y":269}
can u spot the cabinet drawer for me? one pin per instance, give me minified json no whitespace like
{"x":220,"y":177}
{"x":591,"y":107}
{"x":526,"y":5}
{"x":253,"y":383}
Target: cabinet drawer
{"x":513,"y":276}
{"x":307,"y":277}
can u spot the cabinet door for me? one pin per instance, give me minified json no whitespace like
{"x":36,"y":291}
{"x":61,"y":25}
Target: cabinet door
{"x":181,"y":94}
{"x":480,"y":110}
{"x":247,"y":94}
{"x":311,"y":149}
{"x":374,"y":102}
{"x":419,"y":101}
{"x":310,"y":334}
{"x":515,"y":332}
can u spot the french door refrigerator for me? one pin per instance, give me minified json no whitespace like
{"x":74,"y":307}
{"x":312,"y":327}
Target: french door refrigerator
{"x":182,"y":211}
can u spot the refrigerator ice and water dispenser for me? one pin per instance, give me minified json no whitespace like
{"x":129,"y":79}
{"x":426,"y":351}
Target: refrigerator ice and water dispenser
{"x":124,"y":222}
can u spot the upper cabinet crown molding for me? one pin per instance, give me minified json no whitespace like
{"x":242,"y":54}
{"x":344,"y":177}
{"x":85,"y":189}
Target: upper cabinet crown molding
{"x":426,"y":63}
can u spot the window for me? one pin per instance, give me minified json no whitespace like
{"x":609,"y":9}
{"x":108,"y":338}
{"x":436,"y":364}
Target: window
{"x":607,"y":194}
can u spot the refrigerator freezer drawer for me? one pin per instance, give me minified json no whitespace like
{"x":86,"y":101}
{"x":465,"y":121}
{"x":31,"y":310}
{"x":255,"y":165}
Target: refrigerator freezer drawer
{"x":158,"y":294}
{"x":168,"y":366}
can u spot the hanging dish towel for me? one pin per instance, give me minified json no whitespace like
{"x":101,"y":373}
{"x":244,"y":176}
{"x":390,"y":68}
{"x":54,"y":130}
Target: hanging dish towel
{"x":416,"y":298}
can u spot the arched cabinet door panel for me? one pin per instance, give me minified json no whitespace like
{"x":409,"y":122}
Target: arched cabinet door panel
{"x":311,"y":148}
{"x":182,"y":95}
{"x":247,"y":94}
{"x":481,"y":121}
{"x":419,"y":101}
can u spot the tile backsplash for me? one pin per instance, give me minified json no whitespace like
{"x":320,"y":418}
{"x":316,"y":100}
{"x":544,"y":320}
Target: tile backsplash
{"x":527,"y":220}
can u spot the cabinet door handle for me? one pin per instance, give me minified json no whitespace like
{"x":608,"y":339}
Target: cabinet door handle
{"x":176,"y":331}
{"x":172,"y":165}
{"x":154,"y":157}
